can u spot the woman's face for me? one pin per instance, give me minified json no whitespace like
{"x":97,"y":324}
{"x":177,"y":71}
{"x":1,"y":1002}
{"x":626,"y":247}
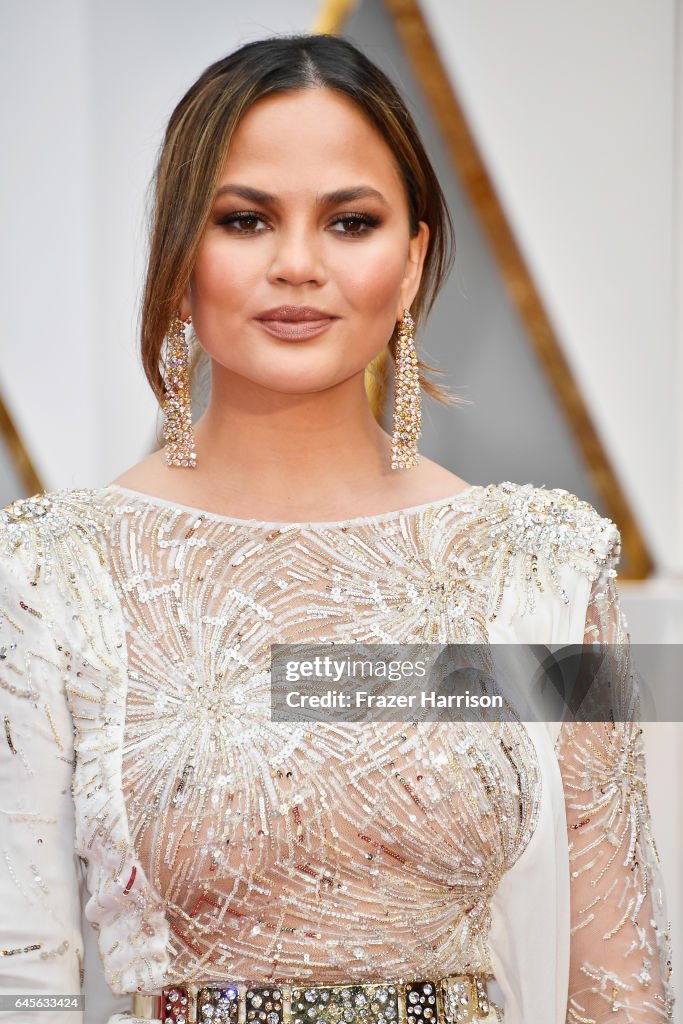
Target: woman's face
{"x":306,"y":262}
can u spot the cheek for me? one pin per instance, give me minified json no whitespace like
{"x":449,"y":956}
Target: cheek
{"x":369,"y":276}
{"x":220,"y":277}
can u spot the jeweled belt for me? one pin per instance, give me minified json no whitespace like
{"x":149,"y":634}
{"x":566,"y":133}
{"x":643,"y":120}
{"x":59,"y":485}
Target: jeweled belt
{"x":454,"y":999}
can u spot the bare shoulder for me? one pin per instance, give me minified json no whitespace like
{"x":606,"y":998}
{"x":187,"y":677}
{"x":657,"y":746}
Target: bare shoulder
{"x":153,"y":476}
{"x":431,"y":481}
{"x":146,"y":474}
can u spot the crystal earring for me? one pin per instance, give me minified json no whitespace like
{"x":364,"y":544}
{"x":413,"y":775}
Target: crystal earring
{"x":177,"y":404}
{"x":407,"y":398}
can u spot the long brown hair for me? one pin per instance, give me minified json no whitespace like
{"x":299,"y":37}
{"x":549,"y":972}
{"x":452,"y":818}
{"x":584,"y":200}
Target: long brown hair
{"x":193,"y":152}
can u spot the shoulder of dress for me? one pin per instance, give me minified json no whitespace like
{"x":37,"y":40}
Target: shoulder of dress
{"x":69,"y":516}
{"x":531,"y":533}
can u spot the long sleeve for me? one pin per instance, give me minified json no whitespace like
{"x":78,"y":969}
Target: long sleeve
{"x":41,"y":943}
{"x":620,"y":954}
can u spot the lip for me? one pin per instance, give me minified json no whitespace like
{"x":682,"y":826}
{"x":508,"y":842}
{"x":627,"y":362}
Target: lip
{"x":295,"y":314}
{"x":293,"y":330}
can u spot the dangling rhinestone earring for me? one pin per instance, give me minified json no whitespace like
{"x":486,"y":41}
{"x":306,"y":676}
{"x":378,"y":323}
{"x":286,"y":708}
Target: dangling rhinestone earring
{"x":177,"y":405}
{"x":407,"y":398}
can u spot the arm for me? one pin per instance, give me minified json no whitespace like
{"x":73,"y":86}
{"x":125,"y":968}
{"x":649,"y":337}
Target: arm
{"x":620,"y":959}
{"x":41,"y":946}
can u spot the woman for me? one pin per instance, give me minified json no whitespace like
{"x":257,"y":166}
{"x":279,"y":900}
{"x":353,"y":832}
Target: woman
{"x":238,"y":868}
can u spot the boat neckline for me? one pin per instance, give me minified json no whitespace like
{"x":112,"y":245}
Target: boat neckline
{"x":151,"y":499}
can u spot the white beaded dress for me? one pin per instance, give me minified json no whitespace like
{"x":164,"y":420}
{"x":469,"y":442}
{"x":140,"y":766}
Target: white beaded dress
{"x":156,"y":826}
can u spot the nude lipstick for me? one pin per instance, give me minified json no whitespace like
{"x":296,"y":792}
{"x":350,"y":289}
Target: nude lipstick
{"x":295,"y":323}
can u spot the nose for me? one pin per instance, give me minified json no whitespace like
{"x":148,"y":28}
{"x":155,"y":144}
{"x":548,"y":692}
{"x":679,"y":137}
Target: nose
{"x":297,"y":258}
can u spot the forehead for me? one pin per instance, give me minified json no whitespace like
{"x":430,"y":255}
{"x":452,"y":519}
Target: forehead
{"x":309,"y":137}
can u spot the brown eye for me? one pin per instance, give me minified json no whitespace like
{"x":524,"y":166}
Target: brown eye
{"x":355,"y":224}
{"x":243,"y":223}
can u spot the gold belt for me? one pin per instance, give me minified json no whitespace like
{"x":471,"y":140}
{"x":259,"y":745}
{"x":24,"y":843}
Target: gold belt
{"x":454,"y":999}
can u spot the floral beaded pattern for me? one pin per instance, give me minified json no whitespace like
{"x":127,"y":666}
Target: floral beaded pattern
{"x":400,"y":832}
{"x":621,"y":955}
{"x":37,"y":739}
{"x":63,"y":656}
{"x":134,"y":643}
{"x":530,"y":535}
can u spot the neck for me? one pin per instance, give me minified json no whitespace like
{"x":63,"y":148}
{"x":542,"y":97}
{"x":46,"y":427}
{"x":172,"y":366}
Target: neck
{"x":263,"y":442}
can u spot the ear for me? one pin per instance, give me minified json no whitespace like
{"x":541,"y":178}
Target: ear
{"x":417,"y":252}
{"x":185,"y":306}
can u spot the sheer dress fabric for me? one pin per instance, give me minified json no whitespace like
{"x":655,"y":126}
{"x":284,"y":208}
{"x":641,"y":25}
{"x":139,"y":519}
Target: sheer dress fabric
{"x":157,"y":827}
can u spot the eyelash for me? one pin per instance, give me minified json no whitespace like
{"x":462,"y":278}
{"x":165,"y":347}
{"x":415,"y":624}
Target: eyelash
{"x":364,"y":219}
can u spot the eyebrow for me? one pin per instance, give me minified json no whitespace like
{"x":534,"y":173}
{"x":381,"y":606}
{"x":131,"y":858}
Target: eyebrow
{"x":341,"y":195}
